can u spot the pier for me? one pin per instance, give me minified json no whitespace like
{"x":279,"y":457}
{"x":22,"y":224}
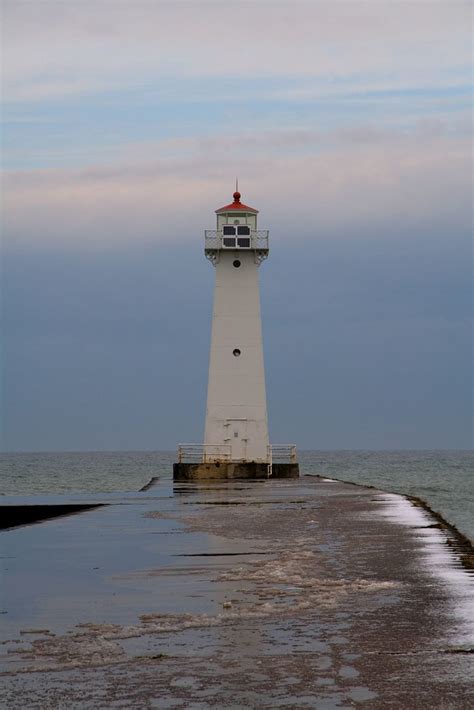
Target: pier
{"x":291,"y":593}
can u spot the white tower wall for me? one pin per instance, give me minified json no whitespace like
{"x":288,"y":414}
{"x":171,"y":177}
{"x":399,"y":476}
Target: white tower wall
{"x":236,"y":414}
{"x":236,"y":441}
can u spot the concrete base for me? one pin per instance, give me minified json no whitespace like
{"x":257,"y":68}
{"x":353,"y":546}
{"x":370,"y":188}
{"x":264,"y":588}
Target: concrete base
{"x":232,"y":470}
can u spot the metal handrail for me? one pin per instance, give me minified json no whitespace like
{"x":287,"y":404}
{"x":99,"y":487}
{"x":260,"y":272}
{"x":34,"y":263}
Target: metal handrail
{"x":209,"y":453}
{"x":284,"y":453}
{"x":203,"y":453}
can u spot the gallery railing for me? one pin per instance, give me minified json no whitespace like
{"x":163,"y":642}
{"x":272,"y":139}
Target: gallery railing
{"x":213,"y":239}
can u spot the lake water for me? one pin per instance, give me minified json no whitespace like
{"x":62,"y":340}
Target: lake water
{"x":444,"y":479}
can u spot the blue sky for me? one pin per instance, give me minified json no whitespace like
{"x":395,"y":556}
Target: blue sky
{"x":349,"y":125}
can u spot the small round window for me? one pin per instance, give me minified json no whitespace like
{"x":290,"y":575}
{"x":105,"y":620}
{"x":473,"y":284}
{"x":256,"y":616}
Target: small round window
{"x":236,"y":352}
{"x":236,"y":263}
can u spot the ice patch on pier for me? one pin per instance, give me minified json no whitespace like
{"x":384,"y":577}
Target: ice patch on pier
{"x":439,"y":560}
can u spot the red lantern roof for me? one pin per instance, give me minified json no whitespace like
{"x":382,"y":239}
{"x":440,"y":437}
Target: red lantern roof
{"x":237,"y":205}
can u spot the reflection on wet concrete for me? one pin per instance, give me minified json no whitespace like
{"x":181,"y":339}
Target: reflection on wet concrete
{"x":290,"y":593}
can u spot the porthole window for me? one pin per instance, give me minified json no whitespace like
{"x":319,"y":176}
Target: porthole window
{"x":236,"y":352}
{"x":236,"y":263}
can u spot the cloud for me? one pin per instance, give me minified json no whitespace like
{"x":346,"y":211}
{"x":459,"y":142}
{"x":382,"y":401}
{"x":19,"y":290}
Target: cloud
{"x":304,"y":181}
{"x":54,"y":49}
{"x":341,"y":167}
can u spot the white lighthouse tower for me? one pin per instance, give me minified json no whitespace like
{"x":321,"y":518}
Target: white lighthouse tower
{"x":236,"y":443}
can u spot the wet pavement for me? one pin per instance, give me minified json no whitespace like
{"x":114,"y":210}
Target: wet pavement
{"x":301,"y":593}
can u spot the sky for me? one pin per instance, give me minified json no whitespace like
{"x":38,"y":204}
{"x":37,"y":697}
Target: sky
{"x":349,"y":126}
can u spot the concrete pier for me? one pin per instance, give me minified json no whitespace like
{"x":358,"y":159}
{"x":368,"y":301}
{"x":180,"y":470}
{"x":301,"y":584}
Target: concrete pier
{"x":290,"y":593}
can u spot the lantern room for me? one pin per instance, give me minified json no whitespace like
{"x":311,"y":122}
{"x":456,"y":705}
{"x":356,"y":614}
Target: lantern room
{"x":236,"y":230}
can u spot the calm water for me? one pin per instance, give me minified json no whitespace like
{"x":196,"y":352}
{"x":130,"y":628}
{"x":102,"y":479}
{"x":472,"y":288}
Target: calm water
{"x":444,"y":479}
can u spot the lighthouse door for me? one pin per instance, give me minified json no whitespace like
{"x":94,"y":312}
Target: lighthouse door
{"x":238,"y":438}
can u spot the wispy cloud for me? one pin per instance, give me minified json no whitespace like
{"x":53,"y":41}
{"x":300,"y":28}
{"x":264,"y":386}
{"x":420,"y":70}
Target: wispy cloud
{"x":358,"y":110}
{"x":54,"y":49}
{"x":350,"y":180}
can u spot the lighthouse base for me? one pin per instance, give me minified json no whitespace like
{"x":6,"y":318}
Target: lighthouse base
{"x":233,"y":470}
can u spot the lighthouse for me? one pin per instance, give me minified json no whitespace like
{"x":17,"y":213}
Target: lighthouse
{"x":236,"y":441}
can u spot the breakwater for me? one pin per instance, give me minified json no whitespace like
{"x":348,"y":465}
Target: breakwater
{"x":444,"y":479}
{"x":308,"y":593}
